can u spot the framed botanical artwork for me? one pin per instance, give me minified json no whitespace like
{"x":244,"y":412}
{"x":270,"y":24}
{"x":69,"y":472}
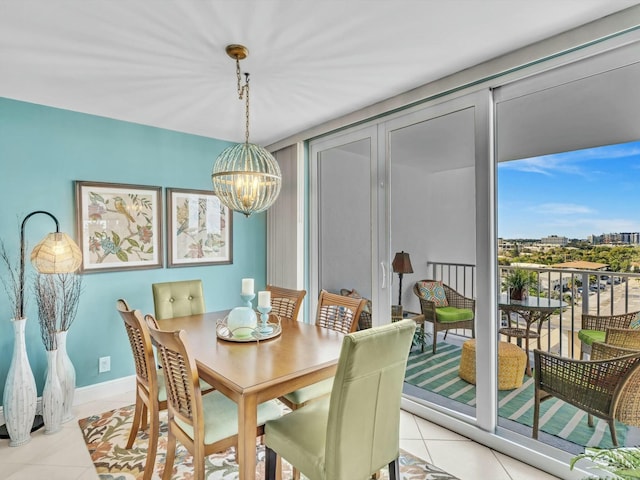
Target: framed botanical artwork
{"x":200,"y":229}
{"x":119,"y":226}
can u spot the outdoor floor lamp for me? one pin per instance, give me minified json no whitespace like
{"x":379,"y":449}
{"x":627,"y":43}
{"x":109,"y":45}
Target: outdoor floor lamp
{"x":401,"y":264}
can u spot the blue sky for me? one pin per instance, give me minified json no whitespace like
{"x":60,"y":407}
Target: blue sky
{"x":573,"y":194}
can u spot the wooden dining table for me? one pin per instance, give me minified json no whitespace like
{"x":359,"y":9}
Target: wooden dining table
{"x":253,"y":372}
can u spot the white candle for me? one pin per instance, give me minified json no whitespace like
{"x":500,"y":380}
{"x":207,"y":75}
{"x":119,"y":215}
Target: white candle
{"x":247,"y":286}
{"x":264,"y":299}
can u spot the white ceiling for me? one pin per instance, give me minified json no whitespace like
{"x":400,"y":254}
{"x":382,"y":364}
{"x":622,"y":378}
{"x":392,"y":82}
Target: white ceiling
{"x":162,"y":62}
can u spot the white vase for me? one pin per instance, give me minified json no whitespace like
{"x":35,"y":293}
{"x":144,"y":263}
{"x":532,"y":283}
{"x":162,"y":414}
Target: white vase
{"x":66,"y":375}
{"x":20,"y":395}
{"x":52,"y":405}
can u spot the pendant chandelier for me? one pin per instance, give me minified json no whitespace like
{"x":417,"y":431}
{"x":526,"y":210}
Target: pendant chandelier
{"x":246,"y":178}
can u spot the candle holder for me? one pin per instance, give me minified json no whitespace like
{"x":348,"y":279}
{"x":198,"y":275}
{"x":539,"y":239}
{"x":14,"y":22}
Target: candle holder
{"x":264,"y":328}
{"x":246,"y":298}
{"x":241,"y":321}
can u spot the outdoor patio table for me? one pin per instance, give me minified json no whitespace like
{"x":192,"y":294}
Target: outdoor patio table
{"x":533,"y":310}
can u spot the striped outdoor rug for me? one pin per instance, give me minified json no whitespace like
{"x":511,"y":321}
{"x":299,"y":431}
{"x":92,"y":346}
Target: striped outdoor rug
{"x":439,"y":374}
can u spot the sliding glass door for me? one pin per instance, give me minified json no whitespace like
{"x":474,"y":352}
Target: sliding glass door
{"x":432,"y":157}
{"x":345,"y":237}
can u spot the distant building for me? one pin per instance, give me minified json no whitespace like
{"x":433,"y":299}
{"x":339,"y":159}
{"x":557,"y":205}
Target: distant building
{"x":555,"y":240}
{"x":626,"y":238}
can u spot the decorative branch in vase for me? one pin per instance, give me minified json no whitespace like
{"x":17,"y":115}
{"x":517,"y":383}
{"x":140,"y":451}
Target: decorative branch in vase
{"x":69,"y":288}
{"x":61,"y":292}
{"x":52,"y":400}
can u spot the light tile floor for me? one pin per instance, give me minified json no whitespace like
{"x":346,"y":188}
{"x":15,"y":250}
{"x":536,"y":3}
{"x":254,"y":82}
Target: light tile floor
{"x":63,"y":455}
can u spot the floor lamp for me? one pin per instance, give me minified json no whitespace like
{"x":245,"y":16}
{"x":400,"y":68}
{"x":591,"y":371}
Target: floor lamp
{"x":401,"y":264}
{"x":56,"y":253}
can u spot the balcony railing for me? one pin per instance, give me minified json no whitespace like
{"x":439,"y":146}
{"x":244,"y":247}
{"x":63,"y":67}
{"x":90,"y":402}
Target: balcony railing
{"x":584,"y":291}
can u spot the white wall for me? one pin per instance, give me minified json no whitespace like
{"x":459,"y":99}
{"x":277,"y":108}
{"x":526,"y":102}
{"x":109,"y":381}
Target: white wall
{"x":437,"y":223}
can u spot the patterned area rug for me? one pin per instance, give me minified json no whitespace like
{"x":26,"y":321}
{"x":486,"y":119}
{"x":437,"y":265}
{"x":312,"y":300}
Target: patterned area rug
{"x":106,"y":435}
{"x":439,"y":374}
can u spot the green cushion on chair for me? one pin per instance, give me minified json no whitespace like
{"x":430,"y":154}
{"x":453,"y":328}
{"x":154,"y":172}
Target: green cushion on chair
{"x":305,"y":451}
{"x":221,"y":416}
{"x":453,"y":314}
{"x":590,"y":336}
{"x":305,"y":394}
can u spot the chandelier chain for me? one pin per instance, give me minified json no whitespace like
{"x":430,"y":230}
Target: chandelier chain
{"x":243,"y":91}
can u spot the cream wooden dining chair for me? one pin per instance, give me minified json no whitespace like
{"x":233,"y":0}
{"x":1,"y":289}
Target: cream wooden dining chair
{"x":285,"y":302}
{"x":338,"y":313}
{"x":203,"y":424}
{"x":151,"y":395}
{"x":354,"y":432}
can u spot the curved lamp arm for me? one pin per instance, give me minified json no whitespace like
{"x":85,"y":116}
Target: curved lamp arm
{"x":57,"y":250}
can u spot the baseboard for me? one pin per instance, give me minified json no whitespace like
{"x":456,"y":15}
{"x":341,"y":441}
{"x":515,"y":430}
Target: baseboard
{"x":90,"y":393}
{"x":98,"y":391}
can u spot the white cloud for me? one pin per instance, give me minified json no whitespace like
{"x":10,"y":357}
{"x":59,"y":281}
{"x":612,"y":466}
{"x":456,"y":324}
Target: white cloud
{"x":562,"y":209}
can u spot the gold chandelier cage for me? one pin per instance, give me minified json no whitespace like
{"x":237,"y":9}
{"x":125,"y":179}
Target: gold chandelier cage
{"x":246,"y":178}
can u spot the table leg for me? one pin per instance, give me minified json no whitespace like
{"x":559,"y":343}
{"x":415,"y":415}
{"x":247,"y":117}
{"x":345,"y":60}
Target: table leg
{"x":526,"y":350}
{"x":247,"y":425}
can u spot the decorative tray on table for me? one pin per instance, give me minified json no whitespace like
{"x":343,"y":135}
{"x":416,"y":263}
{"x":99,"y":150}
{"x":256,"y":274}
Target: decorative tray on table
{"x":247,"y":334}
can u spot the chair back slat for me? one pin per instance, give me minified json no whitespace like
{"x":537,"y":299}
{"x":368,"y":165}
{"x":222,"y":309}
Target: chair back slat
{"x":623,"y":337}
{"x":141,"y":345}
{"x":179,"y":388}
{"x":602,"y":322}
{"x":338,"y":312}
{"x":285,"y":302}
{"x":184,"y":400}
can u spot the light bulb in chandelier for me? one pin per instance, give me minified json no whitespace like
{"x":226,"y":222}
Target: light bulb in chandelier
{"x":246,"y":178}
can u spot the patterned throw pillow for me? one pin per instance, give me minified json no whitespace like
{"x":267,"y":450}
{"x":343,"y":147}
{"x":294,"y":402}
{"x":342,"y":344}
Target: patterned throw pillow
{"x":434,"y":292}
{"x":345,"y":292}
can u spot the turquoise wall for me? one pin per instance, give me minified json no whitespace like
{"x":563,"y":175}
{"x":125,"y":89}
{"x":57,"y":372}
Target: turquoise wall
{"x":42,"y":151}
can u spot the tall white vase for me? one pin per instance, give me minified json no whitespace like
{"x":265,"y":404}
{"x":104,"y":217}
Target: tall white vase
{"x":20,"y":395}
{"x":66,"y":375}
{"x":52,"y":404}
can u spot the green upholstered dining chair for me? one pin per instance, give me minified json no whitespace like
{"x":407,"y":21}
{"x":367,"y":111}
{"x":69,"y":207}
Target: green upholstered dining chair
{"x":151,"y":395}
{"x":444,"y":308}
{"x":203,"y":424}
{"x":355,"y":432}
{"x":178,"y":299}
{"x":337,"y":312}
{"x":593,"y":328}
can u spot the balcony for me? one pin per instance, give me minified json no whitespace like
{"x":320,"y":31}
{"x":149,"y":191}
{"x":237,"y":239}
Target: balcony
{"x":583,"y":291}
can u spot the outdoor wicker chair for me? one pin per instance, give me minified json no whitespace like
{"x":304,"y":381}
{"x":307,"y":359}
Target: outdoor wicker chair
{"x":364,"y":321}
{"x":608,"y":387}
{"x":593,"y":328}
{"x":623,"y":337}
{"x":452,"y":310}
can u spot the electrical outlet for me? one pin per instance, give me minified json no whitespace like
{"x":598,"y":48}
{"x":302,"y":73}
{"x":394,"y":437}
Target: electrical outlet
{"x":104,"y":364}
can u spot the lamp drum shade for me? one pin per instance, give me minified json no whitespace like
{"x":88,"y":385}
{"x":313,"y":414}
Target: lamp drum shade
{"x":246,"y":178}
{"x":401,"y":263}
{"x":56,"y":253}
